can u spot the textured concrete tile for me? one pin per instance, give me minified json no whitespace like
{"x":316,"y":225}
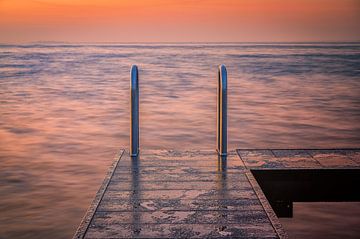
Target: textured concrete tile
{"x":180,"y":194}
{"x":354,"y":155}
{"x":259,"y":159}
{"x":196,"y":155}
{"x":239,"y":184}
{"x":146,"y":159}
{"x":179,"y":204}
{"x":247,"y":217}
{"x":181,"y":231}
{"x":218,"y":176}
{"x":211,"y":164}
{"x":333,"y":158}
{"x":175,"y":169}
{"x":295,"y":159}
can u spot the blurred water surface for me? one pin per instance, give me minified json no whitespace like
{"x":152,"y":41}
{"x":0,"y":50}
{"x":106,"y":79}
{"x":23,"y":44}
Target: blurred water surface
{"x":64,"y":113}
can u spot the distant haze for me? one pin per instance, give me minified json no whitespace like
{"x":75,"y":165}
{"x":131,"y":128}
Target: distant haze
{"x":179,"y":20}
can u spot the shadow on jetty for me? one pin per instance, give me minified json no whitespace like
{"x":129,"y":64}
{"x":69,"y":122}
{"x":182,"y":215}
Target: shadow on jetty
{"x":283,"y":187}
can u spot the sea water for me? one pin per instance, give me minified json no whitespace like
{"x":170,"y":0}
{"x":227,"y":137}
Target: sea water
{"x":64,"y":113}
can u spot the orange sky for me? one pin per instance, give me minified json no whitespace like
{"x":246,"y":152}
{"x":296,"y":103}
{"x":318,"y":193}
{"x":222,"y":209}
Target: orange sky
{"x":179,"y":20}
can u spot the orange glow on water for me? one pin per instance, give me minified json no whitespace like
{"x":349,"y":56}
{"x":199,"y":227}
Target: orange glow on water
{"x":190,"y":20}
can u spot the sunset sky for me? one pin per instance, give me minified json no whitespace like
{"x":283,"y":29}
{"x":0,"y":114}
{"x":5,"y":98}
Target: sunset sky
{"x":24,"y":21}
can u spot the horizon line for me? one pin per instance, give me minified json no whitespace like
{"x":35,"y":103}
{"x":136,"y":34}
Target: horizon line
{"x":180,"y":42}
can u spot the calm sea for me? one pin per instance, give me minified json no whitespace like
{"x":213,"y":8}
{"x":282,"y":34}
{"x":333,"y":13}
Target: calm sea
{"x":64,"y":113}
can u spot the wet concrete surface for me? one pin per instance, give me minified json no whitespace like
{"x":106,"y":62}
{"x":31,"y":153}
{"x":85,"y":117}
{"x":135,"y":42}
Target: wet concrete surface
{"x":197,"y":194}
{"x":171,"y":194}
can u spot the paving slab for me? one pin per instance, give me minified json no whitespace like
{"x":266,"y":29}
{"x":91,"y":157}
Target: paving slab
{"x":178,"y":194}
{"x":299,"y":158}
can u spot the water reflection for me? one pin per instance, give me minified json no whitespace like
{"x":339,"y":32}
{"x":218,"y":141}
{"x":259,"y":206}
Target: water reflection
{"x":136,"y":194}
{"x":222,"y":189}
{"x":222,"y":178}
{"x":222,"y":165}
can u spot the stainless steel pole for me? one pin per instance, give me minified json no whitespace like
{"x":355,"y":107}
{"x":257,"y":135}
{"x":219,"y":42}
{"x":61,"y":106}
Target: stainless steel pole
{"x":134,"y":116}
{"x":221,"y":137}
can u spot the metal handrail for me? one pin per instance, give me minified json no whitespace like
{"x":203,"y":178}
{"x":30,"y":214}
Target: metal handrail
{"x":134,"y":115}
{"x":221,"y":119}
{"x":221,"y":136}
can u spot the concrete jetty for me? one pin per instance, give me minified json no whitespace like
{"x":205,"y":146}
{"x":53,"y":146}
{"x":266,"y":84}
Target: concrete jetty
{"x":198,"y":194}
